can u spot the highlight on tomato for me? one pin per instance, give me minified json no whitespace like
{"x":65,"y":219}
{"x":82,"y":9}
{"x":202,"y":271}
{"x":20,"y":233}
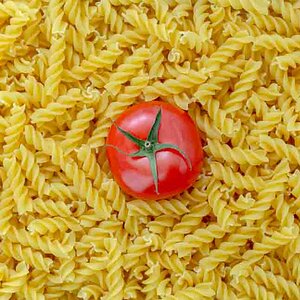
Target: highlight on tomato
{"x":154,"y":150}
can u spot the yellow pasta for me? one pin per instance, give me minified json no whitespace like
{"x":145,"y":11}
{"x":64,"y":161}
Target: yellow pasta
{"x":69,"y":69}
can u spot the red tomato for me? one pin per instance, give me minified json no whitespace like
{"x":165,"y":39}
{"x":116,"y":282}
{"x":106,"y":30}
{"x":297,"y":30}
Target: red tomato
{"x":165,"y":162}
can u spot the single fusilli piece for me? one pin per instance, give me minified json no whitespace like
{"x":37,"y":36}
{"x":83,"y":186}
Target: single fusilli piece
{"x":26,"y":254}
{"x":236,"y":154}
{"x":6,"y":211}
{"x":188,"y":224}
{"x":156,"y":67}
{"x":14,"y":98}
{"x":90,"y":165}
{"x":77,"y":15}
{"x":199,"y":238}
{"x":58,"y":108}
{"x":45,"y":225}
{"x":115,"y":195}
{"x":200,"y":291}
{"x":103,"y":59}
{"x":282,"y":149}
{"x":79,"y":44}
{"x":42,"y":243}
{"x":277,"y":42}
{"x":98,"y":136}
{"x":228,"y":248}
{"x":256,"y":7}
{"x":207,"y":90}
{"x":14,"y":132}
{"x":127,"y":96}
{"x":110,"y":16}
{"x":85,"y":190}
{"x":236,"y":179}
{"x":114,"y":279}
{"x":16,"y":181}
{"x":175,"y":86}
{"x":127,"y":70}
{"x":243,"y":86}
{"x":146,"y":25}
{"x":55,"y":15}
{"x":271,"y":24}
{"x":78,"y":127}
{"x":33,"y":173}
{"x":218,"y":204}
{"x":36,"y":91}
{"x":156,"y":208}
{"x":51,"y":208}
{"x":55,"y":69}
{"x":288,"y":60}
{"x":204,"y":123}
{"x":226,"y":51}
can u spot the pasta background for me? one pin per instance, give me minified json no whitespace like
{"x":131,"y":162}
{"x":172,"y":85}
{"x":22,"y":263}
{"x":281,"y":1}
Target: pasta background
{"x":68,"y":68}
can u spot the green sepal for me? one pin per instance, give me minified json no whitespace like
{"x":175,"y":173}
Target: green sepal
{"x":153,"y":134}
{"x":159,"y":147}
{"x":137,"y":141}
{"x":139,"y":153}
{"x":153,"y":167}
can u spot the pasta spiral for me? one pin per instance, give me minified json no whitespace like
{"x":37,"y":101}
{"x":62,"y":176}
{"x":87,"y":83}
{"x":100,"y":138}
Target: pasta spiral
{"x":55,"y":69}
{"x":32,"y":169}
{"x":104,"y":59}
{"x":43,"y":243}
{"x":52,"y":225}
{"x":255,"y":7}
{"x":145,"y":25}
{"x":240,"y":93}
{"x":114,"y":280}
{"x":236,"y":179}
{"x":238,"y":155}
{"x":30,"y":257}
{"x":13,"y":133}
{"x":78,"y":127}
{"x":110,"y":16}
{"x":125,"y":71}
{"x":16,"y":180}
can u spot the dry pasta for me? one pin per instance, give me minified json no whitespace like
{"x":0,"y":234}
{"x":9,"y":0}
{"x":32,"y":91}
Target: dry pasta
{"x":69,"y":68}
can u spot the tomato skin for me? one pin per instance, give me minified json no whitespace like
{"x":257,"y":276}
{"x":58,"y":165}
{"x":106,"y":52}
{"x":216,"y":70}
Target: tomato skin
{"x":134,"y":174}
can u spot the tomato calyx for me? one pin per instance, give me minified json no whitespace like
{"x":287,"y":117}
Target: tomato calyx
{"x":149,"y":147}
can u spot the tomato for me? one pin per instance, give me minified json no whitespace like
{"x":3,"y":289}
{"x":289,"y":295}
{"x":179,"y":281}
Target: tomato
{"x":154,"y":150}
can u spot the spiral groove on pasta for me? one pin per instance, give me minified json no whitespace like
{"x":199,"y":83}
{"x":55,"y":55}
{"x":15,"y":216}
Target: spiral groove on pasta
{"x":69,"y":68}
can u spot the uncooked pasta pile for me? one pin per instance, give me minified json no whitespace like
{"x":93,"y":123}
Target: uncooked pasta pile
{"x":68,"y":69}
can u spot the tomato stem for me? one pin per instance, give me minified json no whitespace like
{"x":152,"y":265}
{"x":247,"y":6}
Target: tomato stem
{"x":149,"y":147}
